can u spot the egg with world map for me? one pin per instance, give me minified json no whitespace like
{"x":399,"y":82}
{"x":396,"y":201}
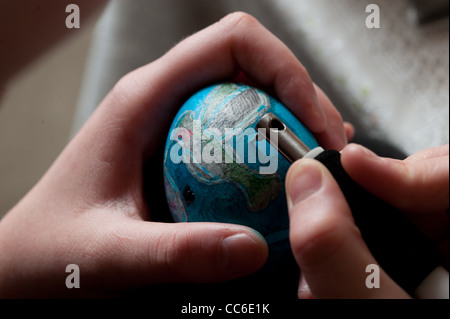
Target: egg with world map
{"x":217,"y":168}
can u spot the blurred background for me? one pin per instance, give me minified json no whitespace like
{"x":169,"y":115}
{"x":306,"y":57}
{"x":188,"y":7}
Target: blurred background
{"x":392,"y":83}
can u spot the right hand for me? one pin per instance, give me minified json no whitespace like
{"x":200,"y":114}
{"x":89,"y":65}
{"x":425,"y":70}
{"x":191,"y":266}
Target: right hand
{"x":327,"y":245}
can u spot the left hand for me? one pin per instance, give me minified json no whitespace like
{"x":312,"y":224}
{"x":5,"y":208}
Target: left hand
{"x":89,"y":209}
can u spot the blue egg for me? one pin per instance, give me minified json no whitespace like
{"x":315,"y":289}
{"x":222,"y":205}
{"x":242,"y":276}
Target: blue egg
{"x":216,"y":169}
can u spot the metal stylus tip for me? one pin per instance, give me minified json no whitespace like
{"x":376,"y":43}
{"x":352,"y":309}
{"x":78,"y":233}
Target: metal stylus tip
{"x":287,"y":143}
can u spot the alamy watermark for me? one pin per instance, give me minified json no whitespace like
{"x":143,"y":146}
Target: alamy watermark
{"x":373,"y":19}
{"x":230,"y":146}
{"x":73,"y":19}
{"x":373,"y":279}
{"x":73,"y":280}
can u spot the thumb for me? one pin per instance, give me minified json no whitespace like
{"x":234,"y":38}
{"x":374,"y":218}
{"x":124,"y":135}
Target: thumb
{"x":326,"y":244}
{"x":142,"y":253}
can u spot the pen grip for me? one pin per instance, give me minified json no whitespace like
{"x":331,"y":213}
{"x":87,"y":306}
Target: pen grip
{"x":402,"y":250}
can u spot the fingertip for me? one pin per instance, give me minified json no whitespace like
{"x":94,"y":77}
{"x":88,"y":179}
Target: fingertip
{"x":207,"y":252}
{"x":357,"y":148}
{"x":371,"y":171}
{"x":354,"y":156}
{"x":333,"y":134}
{"x":303,"y":179}
{"x":316,"y":205}
{"x":349,"y":131}
{"x":243,"y":253}
{"x":418,"y":184}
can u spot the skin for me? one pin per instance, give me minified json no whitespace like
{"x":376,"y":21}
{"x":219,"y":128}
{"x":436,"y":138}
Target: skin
{"x":88,"y":209}
{"x":324,"y":237}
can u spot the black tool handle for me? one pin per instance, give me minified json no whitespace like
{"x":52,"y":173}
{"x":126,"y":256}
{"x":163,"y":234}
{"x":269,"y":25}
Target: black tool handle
{"x":403,"y":251}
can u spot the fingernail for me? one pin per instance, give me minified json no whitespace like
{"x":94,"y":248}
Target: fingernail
{"x":242,"y":253}
{"x":304,"y":183}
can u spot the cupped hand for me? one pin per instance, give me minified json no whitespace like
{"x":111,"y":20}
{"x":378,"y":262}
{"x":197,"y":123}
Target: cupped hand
{"x":89,"y":209}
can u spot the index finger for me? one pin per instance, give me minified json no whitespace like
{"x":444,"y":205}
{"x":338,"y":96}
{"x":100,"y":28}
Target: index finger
{"x":420,"y":184}
{"x":236,"y":43}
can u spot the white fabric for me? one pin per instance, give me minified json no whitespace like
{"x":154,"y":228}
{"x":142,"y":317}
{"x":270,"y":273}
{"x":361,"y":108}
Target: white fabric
{"x":393,"y":82}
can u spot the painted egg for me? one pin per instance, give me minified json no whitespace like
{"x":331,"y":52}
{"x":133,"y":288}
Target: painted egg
{"x":217,"y":168}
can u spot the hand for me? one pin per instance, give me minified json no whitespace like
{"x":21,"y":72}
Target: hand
{"x":88,"y":209}
{"x":327,"y":245}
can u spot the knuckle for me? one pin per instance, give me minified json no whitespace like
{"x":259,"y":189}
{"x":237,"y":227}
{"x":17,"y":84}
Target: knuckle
{"x":120,"y":92}
{"x":172,"y":252}
{"x":238,"y":19}
{"x":322,"y":242}
{"x":296,"y":78}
